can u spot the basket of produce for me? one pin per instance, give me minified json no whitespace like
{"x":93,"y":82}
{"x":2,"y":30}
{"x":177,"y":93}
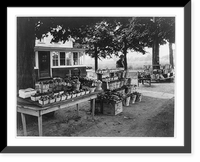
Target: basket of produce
{"x":78,"y":93}
{"x":74,"y":94}
{"x":138,"y":96}
{"x":58,"y":98}
{"x":52,"y":99}
{"x":82,"y":92}
{"x":133,"y":98}
{"x":87,"y":91}
{"x":68,"y":96}
{"x":127,"y":101}
{"x":35,"y":97}
{"x":44,"y":100}
{"x":63,"y":97}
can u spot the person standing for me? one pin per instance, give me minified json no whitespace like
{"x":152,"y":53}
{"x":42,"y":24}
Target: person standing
{"x":120,"y":62}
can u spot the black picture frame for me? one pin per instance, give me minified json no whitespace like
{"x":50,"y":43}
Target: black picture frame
{"x":127,"y":149}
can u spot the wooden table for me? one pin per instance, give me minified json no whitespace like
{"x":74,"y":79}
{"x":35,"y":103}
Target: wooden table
{"x":26,"y":106}
{"x":144,"y":80}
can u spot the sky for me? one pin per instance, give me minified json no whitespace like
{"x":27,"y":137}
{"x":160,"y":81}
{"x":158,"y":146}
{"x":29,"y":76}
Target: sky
{"x":135,"y":60}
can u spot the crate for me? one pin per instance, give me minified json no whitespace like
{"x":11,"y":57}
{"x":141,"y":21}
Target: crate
{"x":98,"y":106}
{"x":112,"y":108}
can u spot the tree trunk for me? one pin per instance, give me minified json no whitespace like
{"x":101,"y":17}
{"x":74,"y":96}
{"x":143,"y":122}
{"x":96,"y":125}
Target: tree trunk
{"x":155,"y":53}
{"x":125,"y":55}
{"x":96,"y":59}
{"x":155,"y":47}
{"x":171,"y":59}
{"x":25,"y":53}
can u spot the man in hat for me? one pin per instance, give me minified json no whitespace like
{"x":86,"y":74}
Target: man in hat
{"x":120,"y":62}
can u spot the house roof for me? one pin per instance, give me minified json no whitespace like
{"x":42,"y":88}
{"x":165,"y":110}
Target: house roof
{"x":51,"y":48}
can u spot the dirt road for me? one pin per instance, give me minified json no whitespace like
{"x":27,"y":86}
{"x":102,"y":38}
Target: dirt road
{"x":152,"y":117}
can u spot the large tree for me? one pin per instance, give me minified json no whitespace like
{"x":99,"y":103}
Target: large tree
{"x":154,"y":31}
{"x":169,"y":28}
{"x":126,"y":38}
{"x":25,"y":52}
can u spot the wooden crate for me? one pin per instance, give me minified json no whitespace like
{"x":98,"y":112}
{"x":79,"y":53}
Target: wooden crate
{"x":112,"y":108}
{"x":98,"y":106}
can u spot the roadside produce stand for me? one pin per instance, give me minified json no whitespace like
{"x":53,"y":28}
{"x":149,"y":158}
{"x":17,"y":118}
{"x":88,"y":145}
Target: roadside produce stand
{"x":26,"y":106}
{"x":52,"y":95}
{"x":156,"y":74}
{"x":113,"y":90}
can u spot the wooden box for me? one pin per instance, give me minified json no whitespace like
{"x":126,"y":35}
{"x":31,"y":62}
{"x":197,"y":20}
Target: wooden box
{"x":98,"y":106}
{"x":112,"y":108}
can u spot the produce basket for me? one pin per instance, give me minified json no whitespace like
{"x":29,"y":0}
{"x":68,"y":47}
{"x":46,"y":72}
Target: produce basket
{"x":73,"y":95}
{"x":78,"y":94}
{"x":61,"y":92}
{"x":52,"y":100}
{"x":83,"y":92}
{"x":139,"y":97}
{"x":69,"y":96}
{"x":127,"y":101}
{"x":35,"y":97}
{"x":87,"y":92}
{"x":43,"y":101}
{"x":63,"y":97}
{"x":58,"y":98}
{"x":133,"y":98}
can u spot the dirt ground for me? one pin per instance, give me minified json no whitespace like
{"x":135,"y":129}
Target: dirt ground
{"x":152,"y":117}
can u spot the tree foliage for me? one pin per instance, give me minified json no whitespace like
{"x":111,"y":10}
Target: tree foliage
{"x":102,"y":36}
{"x":150,"y":27}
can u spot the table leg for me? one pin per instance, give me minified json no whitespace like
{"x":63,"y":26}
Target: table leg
{"x":77,"y":109}
{"x":40,"y":124}
{"x":24,"y":124}
{"x":93,"y":107}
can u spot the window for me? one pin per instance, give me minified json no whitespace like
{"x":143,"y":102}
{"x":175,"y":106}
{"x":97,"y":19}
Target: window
{"x":68,"y":58}
{"x":81,"y":58}
{"x":62,"y":58}
{"x":55,"y":58}
{"x":75,"y":58}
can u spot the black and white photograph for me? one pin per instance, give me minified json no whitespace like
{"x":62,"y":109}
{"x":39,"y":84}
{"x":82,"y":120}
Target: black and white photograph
{"x":98,"y":80}
{"x":96,"y":76}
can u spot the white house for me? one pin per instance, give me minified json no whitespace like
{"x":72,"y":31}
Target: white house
{"x":58,"y":59}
